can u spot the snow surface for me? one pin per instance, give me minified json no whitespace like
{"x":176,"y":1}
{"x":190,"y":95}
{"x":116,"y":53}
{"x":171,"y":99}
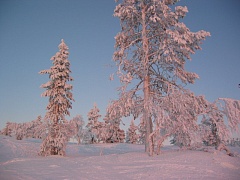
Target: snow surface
{"x":19,"y":160}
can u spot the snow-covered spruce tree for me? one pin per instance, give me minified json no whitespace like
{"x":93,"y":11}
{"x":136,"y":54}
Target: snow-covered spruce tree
{"x":151,"y":52}
{"x":112,"y":124}
{"x":142,"y":132}
{"x":132,"y":134}
{"x":20,"y":131}
{"x":93,"y":124}
{"x":60,"y":101}
{"x":118,"y":135}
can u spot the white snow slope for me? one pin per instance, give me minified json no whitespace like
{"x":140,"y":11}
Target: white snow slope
{"x":19,"y":160}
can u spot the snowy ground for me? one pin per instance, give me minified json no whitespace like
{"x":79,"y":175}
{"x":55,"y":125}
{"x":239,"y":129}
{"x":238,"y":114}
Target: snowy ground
{"x":19,"y":160}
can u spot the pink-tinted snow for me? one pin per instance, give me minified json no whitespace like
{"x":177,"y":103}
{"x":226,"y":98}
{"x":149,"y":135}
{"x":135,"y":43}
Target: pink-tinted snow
{"x":19,"y":160}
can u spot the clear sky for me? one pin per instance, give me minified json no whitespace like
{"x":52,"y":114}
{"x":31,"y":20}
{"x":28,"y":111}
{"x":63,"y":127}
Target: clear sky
{"x":31,"y":30}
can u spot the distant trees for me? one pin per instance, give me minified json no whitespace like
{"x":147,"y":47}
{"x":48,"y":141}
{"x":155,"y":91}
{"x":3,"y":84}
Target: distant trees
{"x":9,"y":129}
{"x":60,"y":101}
{"x":23,"y":130}
{"x":151,"y":51}
{"x":107,"y":131}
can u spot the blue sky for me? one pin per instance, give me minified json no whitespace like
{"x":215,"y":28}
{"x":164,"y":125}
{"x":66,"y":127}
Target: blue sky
{"x":30,"y":32}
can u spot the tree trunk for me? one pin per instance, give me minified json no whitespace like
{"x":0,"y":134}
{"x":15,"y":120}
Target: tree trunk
{"x":147,"y":118}
{"x":146,"y":114}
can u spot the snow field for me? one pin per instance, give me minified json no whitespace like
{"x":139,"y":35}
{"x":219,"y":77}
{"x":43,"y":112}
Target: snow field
{"x":19,"y":160}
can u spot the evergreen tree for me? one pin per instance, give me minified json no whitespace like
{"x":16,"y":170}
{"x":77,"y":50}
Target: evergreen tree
{"x":142,"y":132}
{"x":151,"y":51}
{"x":132,"y":134}
{"x":114,"y":132}
{"x":60,"y":101}
{"x":93,"y":124}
